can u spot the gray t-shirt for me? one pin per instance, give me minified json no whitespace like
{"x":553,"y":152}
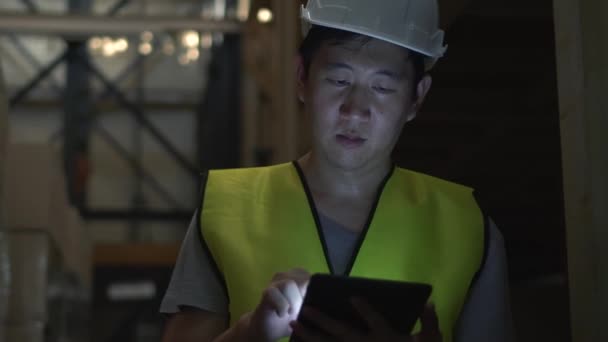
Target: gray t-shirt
{"x":486,"y":315}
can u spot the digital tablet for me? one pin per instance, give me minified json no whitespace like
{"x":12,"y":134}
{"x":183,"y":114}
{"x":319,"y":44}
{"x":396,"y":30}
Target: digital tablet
{"x":400,"y":303}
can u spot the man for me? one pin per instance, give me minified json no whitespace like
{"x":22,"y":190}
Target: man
{"x":343,"y":208}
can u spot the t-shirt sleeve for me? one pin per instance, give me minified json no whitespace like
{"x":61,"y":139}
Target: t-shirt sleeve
{"x":486,"y":316}
{"x":194,"y":282}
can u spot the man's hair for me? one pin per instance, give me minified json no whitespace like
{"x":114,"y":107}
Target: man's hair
{"x":317,"y":35}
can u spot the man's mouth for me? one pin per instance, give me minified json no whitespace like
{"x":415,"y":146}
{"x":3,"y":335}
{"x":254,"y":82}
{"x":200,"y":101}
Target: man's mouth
{"x":350,"y":141}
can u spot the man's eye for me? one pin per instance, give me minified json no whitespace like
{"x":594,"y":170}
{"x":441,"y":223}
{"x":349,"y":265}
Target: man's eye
{"x":339,"y":83}
{"x":383,"y":90}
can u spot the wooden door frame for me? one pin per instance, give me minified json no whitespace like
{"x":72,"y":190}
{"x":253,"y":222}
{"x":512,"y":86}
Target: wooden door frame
{"x":581,"y":35}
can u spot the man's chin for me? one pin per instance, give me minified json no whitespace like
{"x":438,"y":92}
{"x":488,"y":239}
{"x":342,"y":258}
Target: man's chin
{"x":349,"y":162}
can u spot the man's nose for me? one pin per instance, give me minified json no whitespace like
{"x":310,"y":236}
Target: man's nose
{"x":356,"y":104}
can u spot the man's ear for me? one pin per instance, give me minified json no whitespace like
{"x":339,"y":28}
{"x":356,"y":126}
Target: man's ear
{"x":422,"y":89}
{"x":300,"y":77}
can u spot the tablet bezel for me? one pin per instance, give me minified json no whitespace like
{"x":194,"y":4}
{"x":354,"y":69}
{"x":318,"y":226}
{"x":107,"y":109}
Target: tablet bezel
{"x":401,"y":303}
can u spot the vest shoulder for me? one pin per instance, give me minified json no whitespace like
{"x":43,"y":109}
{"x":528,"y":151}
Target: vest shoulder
{"x":247,"y":175}
{"x":433,"y":184}
{"x":251,"y":170}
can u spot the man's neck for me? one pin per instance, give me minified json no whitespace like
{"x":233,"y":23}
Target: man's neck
{"x":329,"y":180}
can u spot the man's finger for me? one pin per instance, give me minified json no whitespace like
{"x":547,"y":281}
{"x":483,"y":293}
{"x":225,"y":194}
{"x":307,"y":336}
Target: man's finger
{"x":303,"y":287}
{"x":292,"y":293}
{"x":273,"y":299}
{"x":301,"y":277}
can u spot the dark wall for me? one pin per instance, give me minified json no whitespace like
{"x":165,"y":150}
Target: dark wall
{"x":491,"y":121}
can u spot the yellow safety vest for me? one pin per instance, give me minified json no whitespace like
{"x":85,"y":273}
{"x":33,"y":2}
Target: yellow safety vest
{"x":260,"y":221}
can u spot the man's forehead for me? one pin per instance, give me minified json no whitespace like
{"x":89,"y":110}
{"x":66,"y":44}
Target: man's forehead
{"x":362,"y":48}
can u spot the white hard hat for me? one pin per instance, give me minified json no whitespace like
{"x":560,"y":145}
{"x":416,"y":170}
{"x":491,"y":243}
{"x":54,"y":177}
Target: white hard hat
{"x":413,"y":24}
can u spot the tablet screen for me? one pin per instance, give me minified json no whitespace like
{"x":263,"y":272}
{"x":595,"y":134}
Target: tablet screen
{"x":400,"y":303}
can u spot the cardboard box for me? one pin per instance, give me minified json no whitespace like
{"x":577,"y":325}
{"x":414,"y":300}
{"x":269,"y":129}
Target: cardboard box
{"x":31,"y":331}
{"x":36,"y":196}
{"x":32,"y":258}
{"x":35,"y":190}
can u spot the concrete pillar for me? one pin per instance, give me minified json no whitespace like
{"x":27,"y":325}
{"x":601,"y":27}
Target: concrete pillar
{"x":286,"y":105}
{"x":77,"y":111}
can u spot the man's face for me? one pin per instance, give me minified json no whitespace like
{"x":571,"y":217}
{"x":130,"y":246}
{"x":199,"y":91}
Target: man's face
{"x":359,"y":96}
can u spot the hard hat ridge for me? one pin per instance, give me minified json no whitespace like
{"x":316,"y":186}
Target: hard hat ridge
{"x":413,"y":24}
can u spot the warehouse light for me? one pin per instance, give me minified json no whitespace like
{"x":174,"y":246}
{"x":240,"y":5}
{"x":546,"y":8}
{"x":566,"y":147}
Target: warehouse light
{"x":106,"y":41}
{"x":107,"y":46}
{"x":264,"y":15}
{"x":108,"y":49}
{"x":193,"y":54}
{"x":145,"y":48}
{"x":95,"y":43}
{"x":190,"y":39}
{"x":121,"y":45}
{"x":147,"y":36}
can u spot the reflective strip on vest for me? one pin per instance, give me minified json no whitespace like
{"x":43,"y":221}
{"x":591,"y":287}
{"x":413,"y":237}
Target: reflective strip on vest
{"x":259,"y":221}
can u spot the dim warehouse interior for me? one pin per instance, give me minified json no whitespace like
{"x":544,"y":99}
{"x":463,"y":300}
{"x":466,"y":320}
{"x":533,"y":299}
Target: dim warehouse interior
{"x":110,"y":109}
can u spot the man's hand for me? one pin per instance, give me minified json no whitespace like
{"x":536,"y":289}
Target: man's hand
{"x":379,"y":329}
{"x":280,"y":305}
